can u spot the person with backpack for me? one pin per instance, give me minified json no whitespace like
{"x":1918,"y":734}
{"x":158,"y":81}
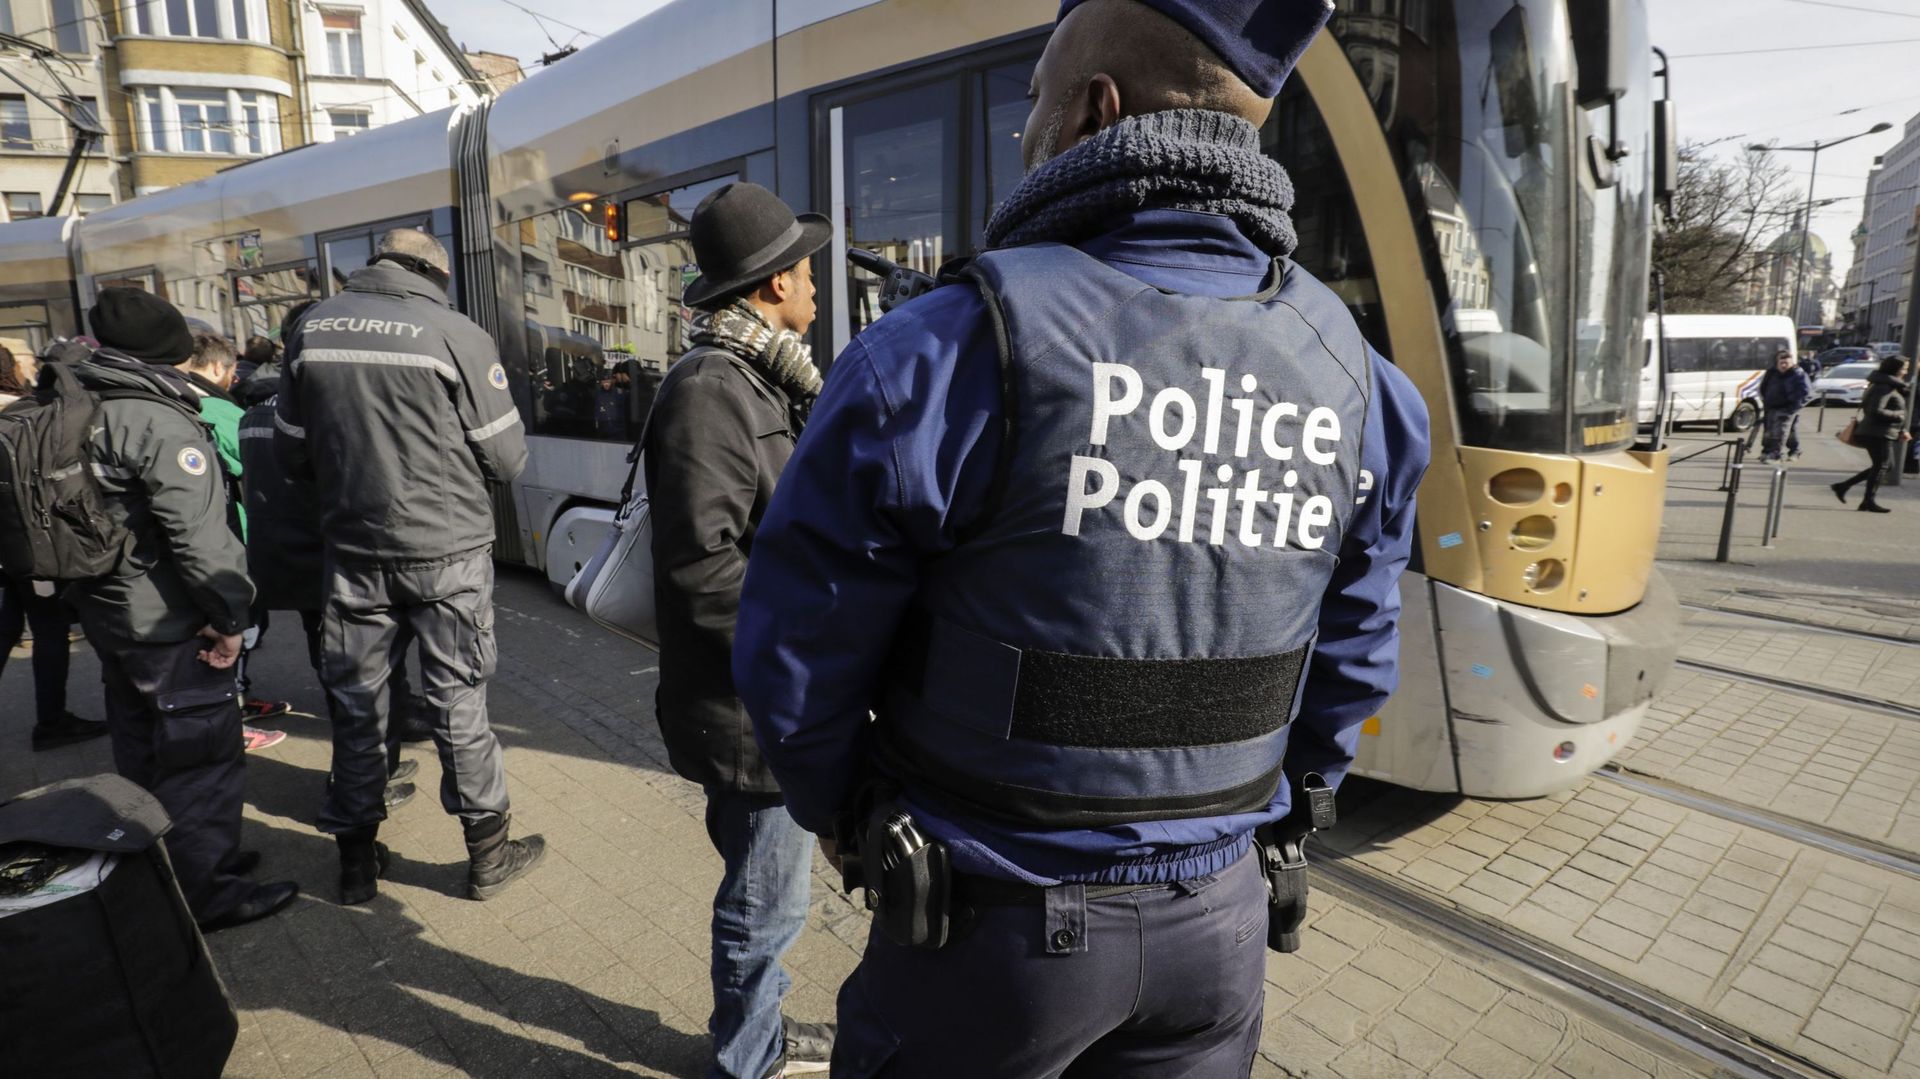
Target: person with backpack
{"x":211,"y":370}
{"x":160,"y":584}
{"x":26,"y":604}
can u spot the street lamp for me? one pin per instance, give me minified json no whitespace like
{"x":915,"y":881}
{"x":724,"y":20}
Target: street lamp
{"x":1813,"y":176}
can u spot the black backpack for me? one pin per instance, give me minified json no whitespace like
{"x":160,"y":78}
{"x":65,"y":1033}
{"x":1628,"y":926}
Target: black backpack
{"x":54,"y":524}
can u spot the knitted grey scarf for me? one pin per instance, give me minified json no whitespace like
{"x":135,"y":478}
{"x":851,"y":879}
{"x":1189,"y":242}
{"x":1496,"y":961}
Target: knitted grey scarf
{"x":1181,"y":159}
{"x":779,"y":355}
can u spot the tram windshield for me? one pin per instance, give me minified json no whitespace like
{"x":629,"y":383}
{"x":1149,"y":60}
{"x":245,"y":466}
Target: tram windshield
{"x":1541,"y":272}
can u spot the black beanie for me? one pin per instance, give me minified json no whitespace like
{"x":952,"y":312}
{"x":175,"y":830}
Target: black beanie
{"x":141,"y":325}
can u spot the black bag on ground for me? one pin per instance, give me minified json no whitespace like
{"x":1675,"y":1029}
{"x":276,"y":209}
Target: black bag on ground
{"x":113,"y":981}
{"x":53,"y":520}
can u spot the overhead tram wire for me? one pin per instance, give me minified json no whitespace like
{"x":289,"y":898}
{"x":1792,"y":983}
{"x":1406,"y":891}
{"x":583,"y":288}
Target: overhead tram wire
{"x":1856,"y":7}
{"x":1789,"y":48}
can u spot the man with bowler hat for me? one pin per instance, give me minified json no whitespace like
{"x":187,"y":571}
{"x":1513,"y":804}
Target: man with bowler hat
{"x":1107,"y":537}
{"x":723,"y":425}
{"x":166,"y":623}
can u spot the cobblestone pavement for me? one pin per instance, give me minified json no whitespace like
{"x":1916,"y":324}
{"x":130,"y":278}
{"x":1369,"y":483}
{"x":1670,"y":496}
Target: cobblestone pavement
{"x":1852,"y":770}
{"x":1816,"y":954}
{"x":596,"y":964}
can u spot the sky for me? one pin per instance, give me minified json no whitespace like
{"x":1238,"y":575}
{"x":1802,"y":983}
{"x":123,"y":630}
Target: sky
{"x":1800,"y":70}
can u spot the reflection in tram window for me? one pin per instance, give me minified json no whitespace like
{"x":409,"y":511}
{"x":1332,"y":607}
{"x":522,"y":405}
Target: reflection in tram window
{"x":903,"y":184}
{"x":27,"y":321}
{"x":997,"y":161}
{"x":346,"y":254}
{"x":1475,"y":96}
{"x":604,"y":319}
{"x":263,"y":297}
{"x":1332,"y":246}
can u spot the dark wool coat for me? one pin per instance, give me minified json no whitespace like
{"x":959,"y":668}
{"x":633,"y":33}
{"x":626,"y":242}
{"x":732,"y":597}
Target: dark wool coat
{"x":1883,"y":410}
{"x":717,"y":441}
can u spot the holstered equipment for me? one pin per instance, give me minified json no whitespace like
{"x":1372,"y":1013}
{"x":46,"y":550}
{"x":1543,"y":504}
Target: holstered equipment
{"x":1283,"y":855}
{"x":907,"y":877}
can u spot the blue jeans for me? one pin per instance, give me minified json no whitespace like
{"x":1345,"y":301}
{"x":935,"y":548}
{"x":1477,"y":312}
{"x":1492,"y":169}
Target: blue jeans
{"x":757,"y":914}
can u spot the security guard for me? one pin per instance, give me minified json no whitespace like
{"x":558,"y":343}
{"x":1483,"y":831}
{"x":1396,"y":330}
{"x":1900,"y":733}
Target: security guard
{"x":166,"y":623}
{"x":379,"y":379}
{"x":1107,"y":535}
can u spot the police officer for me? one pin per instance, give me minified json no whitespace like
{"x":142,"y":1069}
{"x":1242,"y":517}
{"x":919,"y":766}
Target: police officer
{"x":166,"y":624}
{"x":378,"y":379}
{"x":1107,"y":535}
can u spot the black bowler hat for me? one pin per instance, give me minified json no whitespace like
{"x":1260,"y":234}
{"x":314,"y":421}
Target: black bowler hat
{"x":141,"y":325}
{"x":743,"y":234}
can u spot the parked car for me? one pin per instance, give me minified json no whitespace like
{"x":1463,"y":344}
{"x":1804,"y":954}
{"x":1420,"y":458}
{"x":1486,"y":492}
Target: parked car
{"x":1883,"y":349}
{"x":1845,"y":384}
{"x":1834,"y":357}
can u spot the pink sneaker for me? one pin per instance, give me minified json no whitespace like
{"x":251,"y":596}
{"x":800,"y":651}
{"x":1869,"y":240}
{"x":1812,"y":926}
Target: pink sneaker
{"x":254,"y":738}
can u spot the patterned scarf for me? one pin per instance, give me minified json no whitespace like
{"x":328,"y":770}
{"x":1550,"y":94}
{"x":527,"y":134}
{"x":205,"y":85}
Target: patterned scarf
{"x":1180,"y":159}
{"x":779,"y":355}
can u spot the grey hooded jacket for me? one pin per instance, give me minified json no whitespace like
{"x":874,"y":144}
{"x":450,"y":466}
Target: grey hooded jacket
{"x":397,"y":407}
{"x":156,"y":464}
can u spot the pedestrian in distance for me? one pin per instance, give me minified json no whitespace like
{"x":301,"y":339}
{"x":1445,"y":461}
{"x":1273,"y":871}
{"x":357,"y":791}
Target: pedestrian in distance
{"x":724,"y":423}
{"x":211,"y":371}
{"x":1785,"y":389}
{"x":1107,"y":534}
{"x":258,"y":352}
{"x":1882,"y":425}
{"x":377,"y":379}
{"x":35,"y":605}
{"x":166,"y":623}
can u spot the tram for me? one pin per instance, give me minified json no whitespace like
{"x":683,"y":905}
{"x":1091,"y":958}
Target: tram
{"x":1475,"y":181}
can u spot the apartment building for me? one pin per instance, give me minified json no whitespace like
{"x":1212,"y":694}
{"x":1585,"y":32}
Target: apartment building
{"x":196,"y":86}
{"x":49,"y":52}
{"x":1884,"y":243}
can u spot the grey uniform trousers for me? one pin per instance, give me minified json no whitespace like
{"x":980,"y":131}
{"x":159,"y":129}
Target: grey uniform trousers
{"x":175,"y":727}
{"x":448,"y":605}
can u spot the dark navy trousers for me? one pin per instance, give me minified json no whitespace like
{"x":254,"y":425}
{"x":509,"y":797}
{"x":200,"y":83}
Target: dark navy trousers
{"x":1165,"y":982}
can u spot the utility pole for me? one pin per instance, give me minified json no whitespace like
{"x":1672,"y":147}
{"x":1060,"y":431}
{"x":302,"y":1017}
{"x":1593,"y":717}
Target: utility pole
{"x":1909,"y":341}
{"x":1806,"y":220}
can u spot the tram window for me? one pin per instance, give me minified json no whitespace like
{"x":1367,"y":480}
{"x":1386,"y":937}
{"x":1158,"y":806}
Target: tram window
{"x":998,"y":165}
{"x":604,"y":319}
{"x":263,"y":297}
{"x":1332,"y":247}
{"x":25,"y":320}
{"x":903,"y":176}
{"x":142,"y":280}
{"x":346,"y":254}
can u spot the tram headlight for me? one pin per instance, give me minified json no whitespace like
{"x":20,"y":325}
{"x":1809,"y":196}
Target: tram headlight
{"x":1564,"y":752}
{"x":1533,"y":533}
{"x":1517,"y":487}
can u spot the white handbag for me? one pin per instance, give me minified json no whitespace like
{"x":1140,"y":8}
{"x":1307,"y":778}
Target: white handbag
{"x":615,"y":587}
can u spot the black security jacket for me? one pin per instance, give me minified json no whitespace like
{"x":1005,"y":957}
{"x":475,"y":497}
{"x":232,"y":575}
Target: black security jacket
{"x":715,"y":446}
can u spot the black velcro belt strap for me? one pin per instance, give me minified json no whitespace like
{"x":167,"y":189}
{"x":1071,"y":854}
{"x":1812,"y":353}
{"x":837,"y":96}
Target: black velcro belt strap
{"x":1030,"y":808}
{"x":1109,"y":703}
{"x":1099,"y":702}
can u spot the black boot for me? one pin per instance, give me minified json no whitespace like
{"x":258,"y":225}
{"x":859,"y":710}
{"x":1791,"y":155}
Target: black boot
{"x":1873,"y":507}
{"x":493,"y":860}
{"x":65,"y":731}
{"x":1840,"y":491}
{"x":363,"y":861}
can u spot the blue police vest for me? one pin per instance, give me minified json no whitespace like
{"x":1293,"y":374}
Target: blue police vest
{"x":1121,"y":638}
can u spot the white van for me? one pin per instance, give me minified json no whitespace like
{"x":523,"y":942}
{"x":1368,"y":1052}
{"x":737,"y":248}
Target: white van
{"x":1714,"y":364}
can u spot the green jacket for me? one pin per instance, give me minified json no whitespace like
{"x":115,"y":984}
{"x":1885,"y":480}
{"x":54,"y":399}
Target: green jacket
{"x":185,"y":568}
{"x":223,"y":413}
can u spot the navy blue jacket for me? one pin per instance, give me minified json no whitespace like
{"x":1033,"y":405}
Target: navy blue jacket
{"x":1785,"y":392}
{"x":893,"y":467}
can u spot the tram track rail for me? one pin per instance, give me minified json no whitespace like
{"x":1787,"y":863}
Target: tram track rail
{"x":1830,"y":694}
{"x":1806,"y":833}
{"x":1801,"y":623}
{"x":1591,"y":987}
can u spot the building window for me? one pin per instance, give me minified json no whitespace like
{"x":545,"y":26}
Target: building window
{"x":16,"y":131}
{"x":348,"y":122}
{"x":233,"y":20}
{"x":86,"y":204}
{"x":6,"y":17}
{"x":344,"y":53}
{"x":69,"y":27}
{"x":196,"y":121}
{"x":22,"y":205}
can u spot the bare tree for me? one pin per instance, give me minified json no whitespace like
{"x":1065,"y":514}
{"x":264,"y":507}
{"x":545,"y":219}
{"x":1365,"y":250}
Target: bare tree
{"x":1722,"y":212}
